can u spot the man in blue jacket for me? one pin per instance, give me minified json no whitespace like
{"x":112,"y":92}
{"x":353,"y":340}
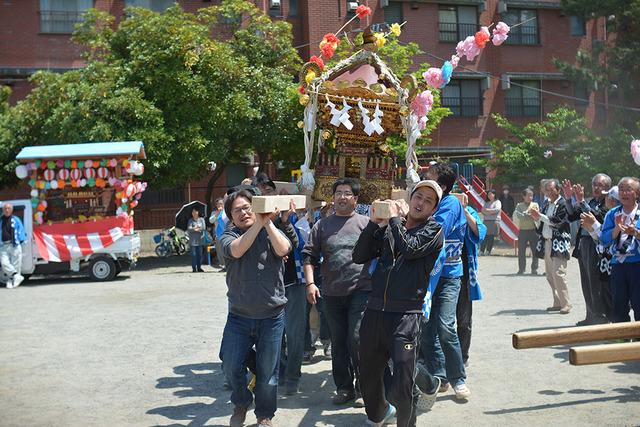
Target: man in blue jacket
{"x":10,"y":248}
{"x":440,"y":344}
{"x":621,"y":230}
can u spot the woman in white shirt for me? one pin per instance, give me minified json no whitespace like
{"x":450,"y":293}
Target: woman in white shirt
{"x":491,"y":214}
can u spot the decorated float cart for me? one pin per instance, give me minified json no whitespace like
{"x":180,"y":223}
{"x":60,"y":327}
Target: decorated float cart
{"x":352,"y":108}
{"x":80,"y":213}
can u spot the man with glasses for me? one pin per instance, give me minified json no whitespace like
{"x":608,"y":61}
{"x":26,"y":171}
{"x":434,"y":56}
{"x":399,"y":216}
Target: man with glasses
{"x":596,"y":292}
{"x":345,"y":285}
{"x":253,"y":249}
{"x":621,"y":231}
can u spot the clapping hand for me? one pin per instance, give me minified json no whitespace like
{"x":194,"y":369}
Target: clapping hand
{"x":534,"y":212}
{"x":587,"y":220}
{"x":578,"y":189}
{"x":567,"y":189}
{"x":291,"y":211}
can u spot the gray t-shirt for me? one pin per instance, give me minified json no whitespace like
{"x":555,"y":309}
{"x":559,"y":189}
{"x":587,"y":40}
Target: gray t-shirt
{"x":195,"y":237}
{"x":255,"y":280}
{"x":333,"y":238}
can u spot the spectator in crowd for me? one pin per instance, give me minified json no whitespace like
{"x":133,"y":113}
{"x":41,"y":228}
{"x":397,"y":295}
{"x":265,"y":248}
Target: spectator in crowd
{"x":506,"y":199}
{"x":470,"y":288}
{"x":527,"y":235}
{"x":540,"y":197}
{"x":594,"y":289}
{"x":254,"y":249}
{"x":621,"y":230}
{"x":554,"y":244}
{"x":440,"y":345}
{"x":491,"y":213}
{"x":13,"y":235}
{"x":405,"y":248}
{"x":346,"y":285}
{"x":196,"y":228}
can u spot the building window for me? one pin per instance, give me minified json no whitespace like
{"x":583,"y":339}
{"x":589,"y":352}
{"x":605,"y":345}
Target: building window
{"x":457,"y":22}
{"x":393,"y":13}
{"x":580,"y":91}
{"x":578,"y":26}
{"x":463,"y":98}
{"x":61,"y":16}
{"x":275,"y":8}
{"x":527,"y":30}
{"x":155,"y":5}
{"x":293,"y":7}
{"x":523,"y":99}
{"x":171,"y":196}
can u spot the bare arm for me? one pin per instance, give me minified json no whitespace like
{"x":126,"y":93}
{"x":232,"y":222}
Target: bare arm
{"x":279,"y":242}
{"x":313,"y":293}
{"x":242,"y":244}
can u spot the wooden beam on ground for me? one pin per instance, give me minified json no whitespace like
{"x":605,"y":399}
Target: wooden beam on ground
{"x":549,"y":337}
{"x":268,"y":204}
{"x":604,"y":353}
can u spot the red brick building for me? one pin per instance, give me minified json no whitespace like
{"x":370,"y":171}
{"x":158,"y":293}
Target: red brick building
{"x":517,"y":79}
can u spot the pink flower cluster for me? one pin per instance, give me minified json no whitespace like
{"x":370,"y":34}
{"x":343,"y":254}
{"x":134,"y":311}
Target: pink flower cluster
{"x":500,"y":33}
{"x":433,"y":77}
{"x":421,"y":105}
{"x":468,"y":48}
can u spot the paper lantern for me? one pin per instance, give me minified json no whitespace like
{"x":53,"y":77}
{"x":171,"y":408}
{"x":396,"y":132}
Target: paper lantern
{"x":80,"y":164}
{"x":76,"y":174}
{"x":133,"y":204}
{"x":21,"y":171}
{"x":63,"y":174}
{"x":89,"y":173}
{"x":91,"y":182}
{"x":34,"y":193}
{"x":125,"y":163}
{"x":74,"y":184}
{"x":74,"y":164}
{"x":51,"y":164}
{"x":41,"y":185}
{"x":31,"y":166}
{"x":88,"y":163}
{"x":104,"y":162}
{"x":37,"y":163}
{"x":67,"y":164}
{"x":130,"y":190}
{"x":47,"y":185}
{"x":59,"y":163}
{"x":54,"y":185}
{"x":34,"y":202}
{"x":38,"y":218}
{"x":49,"y":174}
{"x":32,"y":183}
{"x":119,"y":211}
{"x":125,"y":200}
{"x":112,"y":181}
{"x":61,"y":183}
{"x":635,"y":151}
{"x":103,"y":172}
{"x":101,"y":183}
{"x":113,"y":163}
{"x":83,"y":182}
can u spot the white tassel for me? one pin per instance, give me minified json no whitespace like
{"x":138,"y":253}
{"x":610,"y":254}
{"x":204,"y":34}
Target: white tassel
{"x":307,"y":181}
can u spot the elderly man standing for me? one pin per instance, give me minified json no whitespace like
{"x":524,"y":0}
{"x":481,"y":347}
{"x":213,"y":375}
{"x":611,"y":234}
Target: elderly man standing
{"x":596,"y":292}
{"x":554,"y":244}
{"x":254,"y":249}
{"x":10,"y":249}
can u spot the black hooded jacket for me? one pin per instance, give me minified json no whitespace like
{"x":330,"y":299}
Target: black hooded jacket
{"x":405,"y":260}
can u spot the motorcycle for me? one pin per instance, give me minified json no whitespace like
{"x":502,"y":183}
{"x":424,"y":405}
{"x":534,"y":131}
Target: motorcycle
{"x":170,"y":243}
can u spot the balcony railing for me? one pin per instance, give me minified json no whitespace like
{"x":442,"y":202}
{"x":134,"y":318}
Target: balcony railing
{"x":523,"y":107}
{"x":463,"y":107}
{"x":524,"y":35}
{"x":454,"y":32}
{"x":59,"y":22}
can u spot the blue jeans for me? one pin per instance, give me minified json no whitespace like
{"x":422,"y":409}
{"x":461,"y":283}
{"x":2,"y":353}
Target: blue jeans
{"x":294,"y":328}
{"x":240,"y":334}
{"x":440,"y":345}
{"x":344,"y":315}
{"x":196,"y":257}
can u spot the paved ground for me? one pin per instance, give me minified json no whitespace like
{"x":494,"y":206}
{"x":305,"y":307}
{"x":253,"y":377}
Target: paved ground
{"x":142,"y":350}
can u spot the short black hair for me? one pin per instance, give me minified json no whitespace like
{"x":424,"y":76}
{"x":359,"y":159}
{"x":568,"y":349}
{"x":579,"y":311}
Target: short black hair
{"x":232,"y":197}
{"x":527,"y":191}
{"x":446,"y":176}
{"x":263,"y":179}
{"x":494,"y":192}
{"x":351,"y":182}
{"x":250,"y":188}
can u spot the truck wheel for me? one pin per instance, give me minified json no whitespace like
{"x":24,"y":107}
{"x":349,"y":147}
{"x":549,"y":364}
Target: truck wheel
{"x":102,"y":269}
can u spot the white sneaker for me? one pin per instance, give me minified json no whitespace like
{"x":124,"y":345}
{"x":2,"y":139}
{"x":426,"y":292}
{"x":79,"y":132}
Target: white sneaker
{"x":9,"y":284}
{"x":462,"y":391}
{"x":388,"y":417}
{"x":426,"y":400}
{"x":17,"y":279}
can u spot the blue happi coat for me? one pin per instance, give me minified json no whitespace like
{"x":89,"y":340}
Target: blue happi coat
{"x":472,"y":242}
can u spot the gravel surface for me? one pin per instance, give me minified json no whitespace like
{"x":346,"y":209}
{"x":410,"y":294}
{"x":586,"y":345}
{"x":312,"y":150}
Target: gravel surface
{"x":143,"y":350}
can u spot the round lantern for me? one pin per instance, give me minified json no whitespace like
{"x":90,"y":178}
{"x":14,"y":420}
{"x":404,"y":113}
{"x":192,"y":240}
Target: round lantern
{"x":635,"y":151}
{"x":60,"y":163}
{"x":21,"y":171}
{"x":89,"y":173}
{"x":113,"y":163}
{"x":76,"y":174}
{"x":112,"y":181}
{"x":34,"y":193}
{"x":103,"y":173}
{"x":130,"y":190}
{"x":54,"y":185}
{"x":83,"y":182}
{"x":88,"y":163}
{"x":63,"y":174}
{"x":61,"y":183}
{"x":49,"y":174}
{"x":51,"y":164}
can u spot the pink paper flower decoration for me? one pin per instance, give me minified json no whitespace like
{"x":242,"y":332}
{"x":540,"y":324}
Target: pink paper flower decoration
{"x":422,"y":103}
{"x":500,"y":33}
{"x":422,"y":123}
{"x":482,"y":37}
{"x":635,"y":151}
{"x":433,"y":77}
{"x":454,"y":61}
{"x":471,"y":49}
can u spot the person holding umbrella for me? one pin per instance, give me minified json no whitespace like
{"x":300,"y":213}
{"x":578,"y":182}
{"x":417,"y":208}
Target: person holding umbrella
{"x":196,"y":228}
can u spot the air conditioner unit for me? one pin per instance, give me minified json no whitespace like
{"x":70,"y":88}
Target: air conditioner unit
{"x":274,"y":4}
{"x":352,"y":6}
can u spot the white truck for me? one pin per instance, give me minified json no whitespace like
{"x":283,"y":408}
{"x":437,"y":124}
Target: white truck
{"x":103,"y":264}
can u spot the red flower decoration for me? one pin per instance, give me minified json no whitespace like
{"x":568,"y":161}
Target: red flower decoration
{"x":301,"y":89}
{"x":363,"y":11}
{"x":482,"y":37}
{"x":331,"y":38}
{"x":327,"y":50}
{"x":318,"y":61}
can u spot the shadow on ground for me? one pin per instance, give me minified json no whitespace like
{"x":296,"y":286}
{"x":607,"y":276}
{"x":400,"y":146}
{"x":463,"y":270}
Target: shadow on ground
{"x":207,"y":379}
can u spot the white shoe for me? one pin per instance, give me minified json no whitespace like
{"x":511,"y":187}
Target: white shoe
{"x":17,"y":279}
{"x":426,"y":400}
{"x":388,"y":417}
{"x":9,"y":284}
{"x":462,"y":391}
